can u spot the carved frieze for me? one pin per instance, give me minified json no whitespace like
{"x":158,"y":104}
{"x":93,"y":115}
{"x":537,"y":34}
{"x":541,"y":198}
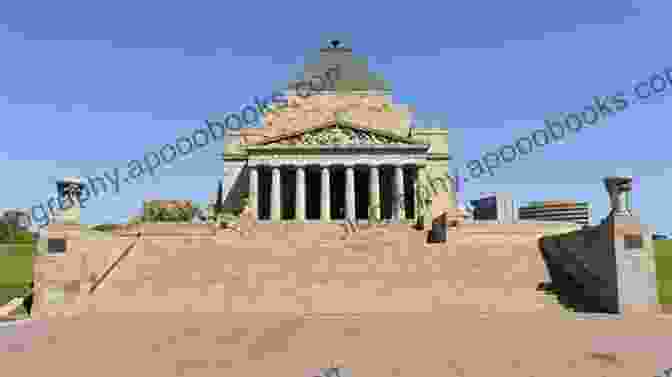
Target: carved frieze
{"x":337,"y":135}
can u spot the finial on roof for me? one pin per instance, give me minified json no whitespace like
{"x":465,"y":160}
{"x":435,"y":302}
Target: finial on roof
{"x":336,"y":46}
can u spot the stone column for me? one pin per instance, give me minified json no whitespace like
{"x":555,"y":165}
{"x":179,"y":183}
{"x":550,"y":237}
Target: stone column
{"x":399,"y":193}
{"x":350,"y":193}
{"x":414,"y":186}
{"x":254,"y":190}
{"x":325,"y":202}
{"x":505,"y":211}
{"x":275,"y":195}
{"x":374,"y":194}
{"x":423,"y":198}
{"x":300,"y":193}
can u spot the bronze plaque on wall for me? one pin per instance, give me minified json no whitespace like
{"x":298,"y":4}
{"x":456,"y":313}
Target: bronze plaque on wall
{"x":633,"y":241}
{"x":56,"y":245}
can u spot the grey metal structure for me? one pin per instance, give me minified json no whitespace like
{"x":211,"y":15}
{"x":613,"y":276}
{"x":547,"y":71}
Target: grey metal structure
{"x":578,"y":213}
{"x":499,"y":207}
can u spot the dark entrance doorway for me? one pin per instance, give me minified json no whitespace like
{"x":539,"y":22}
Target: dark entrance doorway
{"x":313,"y":193}
{"x":386,"y":192}
{"x":264,"y":206}
{"x":409,"y":192}
{"x":362,"y":194}
{"x":337,"y":191}
{"x":288,"y":193}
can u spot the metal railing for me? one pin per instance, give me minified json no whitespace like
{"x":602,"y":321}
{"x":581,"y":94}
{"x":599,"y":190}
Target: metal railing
{"x":107,"y":272}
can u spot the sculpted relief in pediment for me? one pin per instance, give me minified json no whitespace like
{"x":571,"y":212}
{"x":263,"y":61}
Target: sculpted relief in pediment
{"x":337,"y":135}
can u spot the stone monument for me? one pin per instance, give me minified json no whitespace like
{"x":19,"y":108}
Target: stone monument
{"x":632,"y":244}
{"x":64,"y":228}
{"x":66,"y":219}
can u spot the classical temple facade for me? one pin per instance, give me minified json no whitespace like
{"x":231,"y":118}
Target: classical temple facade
{"x":343,"y":153}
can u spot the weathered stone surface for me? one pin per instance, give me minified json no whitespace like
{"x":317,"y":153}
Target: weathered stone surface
{"x":260,"y":305}
{"x":301,"y":113}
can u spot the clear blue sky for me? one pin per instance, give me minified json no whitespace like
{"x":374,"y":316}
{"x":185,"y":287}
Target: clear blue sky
{"x":87,"y":86}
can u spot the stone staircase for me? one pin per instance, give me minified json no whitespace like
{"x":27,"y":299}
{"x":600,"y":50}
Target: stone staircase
{"x":313,"y":268}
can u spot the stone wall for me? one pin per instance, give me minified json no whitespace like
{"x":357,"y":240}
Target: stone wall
{"x":299,"y":268}
{"x":609,"y":268}
{"x":62,"y":282}
{"x":171,"y":229}
{"x":536,"y":228}
{"x":582,"y":266}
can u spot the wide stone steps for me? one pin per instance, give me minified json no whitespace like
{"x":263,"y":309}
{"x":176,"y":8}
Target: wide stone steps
{"x":294,"y":269}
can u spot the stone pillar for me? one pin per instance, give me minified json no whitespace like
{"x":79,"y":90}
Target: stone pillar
{"x":632,"y":246}
{"x":350,"y":193}
{"x":414,"y":187}
{"x":636,"y":276}
{"x":399,"y":193}
{"x":275,"y":195}
{"x":374,"y":194}
{"x":325,"y":202}
{"x":300,"y":193}
{"x":423,"y":197}
{"x":505,"y":210}
{"x":254,"y":190}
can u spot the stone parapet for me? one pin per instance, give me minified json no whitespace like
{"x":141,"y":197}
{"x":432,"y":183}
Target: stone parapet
{"x":170,"y":229}
{"x":69,"y":231}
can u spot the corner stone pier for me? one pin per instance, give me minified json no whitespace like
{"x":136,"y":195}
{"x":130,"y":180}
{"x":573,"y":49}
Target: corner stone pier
{"x":608,"y":268}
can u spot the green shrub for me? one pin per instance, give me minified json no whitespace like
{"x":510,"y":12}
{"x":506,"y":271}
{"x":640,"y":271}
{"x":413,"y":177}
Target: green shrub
{"x":227,"y":218}
{"x":105,"y":227}
{"x":153,"y":213}
{"x":663,"y":252}
{"x":23,"y":236}
{"x":7,"y":232}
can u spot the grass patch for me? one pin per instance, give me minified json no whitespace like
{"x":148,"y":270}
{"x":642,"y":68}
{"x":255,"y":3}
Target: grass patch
{"x":16,"y":270}
{"x":16,"y":249}
{"x":663,"y":252}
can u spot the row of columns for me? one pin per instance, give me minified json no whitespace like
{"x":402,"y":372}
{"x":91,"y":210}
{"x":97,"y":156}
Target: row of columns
{"x":325,"y":200}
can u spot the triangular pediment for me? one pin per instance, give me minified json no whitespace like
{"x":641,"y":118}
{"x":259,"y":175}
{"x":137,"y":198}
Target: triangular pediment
{"x":339,"y":133}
